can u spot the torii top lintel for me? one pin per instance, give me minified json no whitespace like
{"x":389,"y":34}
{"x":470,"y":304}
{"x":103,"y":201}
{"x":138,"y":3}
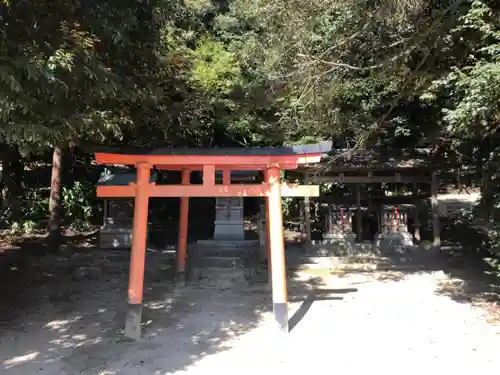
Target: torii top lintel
{"x":221,"y":158}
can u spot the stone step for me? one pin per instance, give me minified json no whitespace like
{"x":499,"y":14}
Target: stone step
{"x":227,"y":244}
{"x":221,"y":277}
{"x":217,"y":273}
{"x":222,"y":262}
{"x":223,"y":251}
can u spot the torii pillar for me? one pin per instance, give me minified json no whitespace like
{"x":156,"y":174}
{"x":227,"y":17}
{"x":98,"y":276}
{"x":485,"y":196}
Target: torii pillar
{"x":277,"y":249}
{"x":138,"y":254}
{"x":183,"y":228}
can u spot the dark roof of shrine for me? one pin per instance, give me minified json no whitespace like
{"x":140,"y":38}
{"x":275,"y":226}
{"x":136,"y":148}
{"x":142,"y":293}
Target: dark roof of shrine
{"x":316,"y":148}
{"x":345,"y":159}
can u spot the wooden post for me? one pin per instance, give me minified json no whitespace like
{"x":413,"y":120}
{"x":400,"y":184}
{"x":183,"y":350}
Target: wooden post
{"x":307,"y":213}
{"x":183,"y":228}
{"x":275,"y":228}
{"x":268,"y":235}
{"x":226,"y":176}
{"x":359,"y":222}
{"x":416,"y":215}
{"x":138,"y":254}
{"x":435,"y":212}
{"x":209,"y":175}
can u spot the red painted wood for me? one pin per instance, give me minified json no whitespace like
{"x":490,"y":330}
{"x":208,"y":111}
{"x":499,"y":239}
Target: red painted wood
{"x":174,"y":162}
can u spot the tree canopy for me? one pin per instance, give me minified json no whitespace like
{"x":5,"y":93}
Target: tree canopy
{"x":381,"y":74}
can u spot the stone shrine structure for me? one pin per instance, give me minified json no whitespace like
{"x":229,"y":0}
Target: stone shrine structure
{"x":118,"y":213}
{"x":229,"y":219}
{"x":229,"y":224}
{"x":338,"y":227}
{"x":395,"y":231}
{"x":116,"y":231}
{"x":370,"y":172}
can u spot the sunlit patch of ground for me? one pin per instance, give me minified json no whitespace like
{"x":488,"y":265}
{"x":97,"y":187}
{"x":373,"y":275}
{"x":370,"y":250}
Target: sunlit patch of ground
{"x":67,"y":318}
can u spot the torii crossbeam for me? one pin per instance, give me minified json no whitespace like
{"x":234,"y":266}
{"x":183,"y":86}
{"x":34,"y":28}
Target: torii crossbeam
{"x":269,"y":160}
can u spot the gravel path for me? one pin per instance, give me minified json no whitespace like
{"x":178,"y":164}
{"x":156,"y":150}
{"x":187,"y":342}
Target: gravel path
{"x":354,"y":323}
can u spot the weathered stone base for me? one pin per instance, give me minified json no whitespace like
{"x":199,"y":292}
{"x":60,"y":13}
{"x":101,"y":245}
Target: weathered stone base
{"x":133,"y":321}
{"x":243,"y":256}
{"x":115,"y":238}
{"x":338,"y":245}
{"x":230,"y":230}
{"x":227,"y":243}
{"x":394,"y":242}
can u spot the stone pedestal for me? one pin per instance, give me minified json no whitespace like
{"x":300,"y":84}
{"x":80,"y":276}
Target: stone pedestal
{"x":395,"y":233}
{"x":229,"y":221}
{"x":116,"y":231}
{"x":229,"y":225}
{"x":228,"y":248}
{"x":335,"y":235}
{"x":393,"y":242}
{"x":405,"y":235}
{"x":338,"y":231}
{"x":345,"y":241}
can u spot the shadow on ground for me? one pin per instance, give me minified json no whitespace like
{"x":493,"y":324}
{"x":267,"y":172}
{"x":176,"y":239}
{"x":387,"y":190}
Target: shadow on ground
{"x":65,"y":314}
{"x":465,"y":252}
{"x":315,"y":295}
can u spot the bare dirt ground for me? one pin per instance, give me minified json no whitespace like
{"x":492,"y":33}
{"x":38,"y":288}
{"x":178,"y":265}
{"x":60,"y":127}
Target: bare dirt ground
{"x":65,"y":316}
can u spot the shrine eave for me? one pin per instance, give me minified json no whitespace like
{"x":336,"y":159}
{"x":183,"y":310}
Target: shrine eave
{"x":239,"y":158}
{"x":317,"y":148}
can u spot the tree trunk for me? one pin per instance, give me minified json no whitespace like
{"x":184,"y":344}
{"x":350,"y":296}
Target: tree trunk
{"x":54,"y":226}
{"x":488,"y":189}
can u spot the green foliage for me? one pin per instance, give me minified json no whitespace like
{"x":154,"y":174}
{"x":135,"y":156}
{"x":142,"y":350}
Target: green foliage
{"x":472,"y":88}
{"x":214,"y":68}
{"x":386,"y":74}
{"x":78,"y":204}
{"x":26,"y":227}
{"x":59,"y":76}
{"x":248,"y":72}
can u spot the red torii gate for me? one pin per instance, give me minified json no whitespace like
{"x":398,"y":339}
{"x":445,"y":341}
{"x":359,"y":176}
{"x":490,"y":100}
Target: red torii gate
{"x":269,"y":160}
